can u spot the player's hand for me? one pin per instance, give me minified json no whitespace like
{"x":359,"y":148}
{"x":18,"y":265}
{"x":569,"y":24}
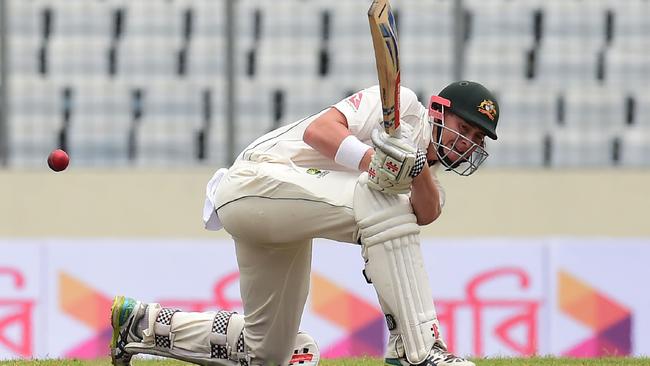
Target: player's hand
{"x":395,"y":163}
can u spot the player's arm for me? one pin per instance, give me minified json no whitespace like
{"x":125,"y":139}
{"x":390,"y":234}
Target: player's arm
{"x":329,"y":135}
{"x":425,"y":197}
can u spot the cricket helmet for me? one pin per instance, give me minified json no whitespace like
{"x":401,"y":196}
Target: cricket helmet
{"x":476,"y":105}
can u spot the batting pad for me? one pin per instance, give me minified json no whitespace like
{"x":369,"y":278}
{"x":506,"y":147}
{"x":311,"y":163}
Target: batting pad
{"x":208,"y":338}
{"x":391,"y":248}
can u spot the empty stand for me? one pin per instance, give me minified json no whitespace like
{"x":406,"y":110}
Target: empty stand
{"x":122,"y":81}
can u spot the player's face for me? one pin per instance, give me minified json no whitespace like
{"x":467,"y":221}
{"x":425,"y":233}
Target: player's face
{"x":463,"y":143}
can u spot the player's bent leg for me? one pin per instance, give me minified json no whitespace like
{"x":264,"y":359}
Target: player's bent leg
{"x":391,"y":247}
{"x":208,"y":338}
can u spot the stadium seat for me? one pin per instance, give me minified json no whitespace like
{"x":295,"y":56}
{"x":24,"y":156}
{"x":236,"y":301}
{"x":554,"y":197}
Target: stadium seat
{"x":494,"y":66}
{"x":526,"y":109}
{"x":642,"y":110}
{"x":82,"y":18}
{"x":145,"y":58}
{"x":429,"y":67}
{"x":100,"y":122}
{"x":597,"y":109}
{"x":582,"y":148}
{"x":75,"y":57}
{"x":635,"y":147}
{"x":516,"y":149}
{"x":567,"y":62}
{"x":506,"y":23}
{"x":254,"y":111}
{"x":310,"y":98}
{"x":208,"y":17}
{"x":350,"y":47}
{"x":527,"y":116}
{"x":26,"y":18}
{"x":574,"y":19}
{"x":288,"y":20}
{"x":24,"y":55}
{"x":35,"y":120}
{"x":167,"y":132}
{"x":153,"y":17}
{"x":352,"y":62}
{"x":631,"y":24}
{"x":427,"y":21}
{"x":627,"y":68}
{"x":213,"y":114}
{"x":206,"y":58}
{"x":288,"y":61}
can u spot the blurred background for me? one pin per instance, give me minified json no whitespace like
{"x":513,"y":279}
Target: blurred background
{"x":150,"y":97}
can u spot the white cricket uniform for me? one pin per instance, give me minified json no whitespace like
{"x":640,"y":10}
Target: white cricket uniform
{"x":280,"y":194}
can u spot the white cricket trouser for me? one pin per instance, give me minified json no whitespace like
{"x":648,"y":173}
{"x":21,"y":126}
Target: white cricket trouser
{"x":273,"y":211}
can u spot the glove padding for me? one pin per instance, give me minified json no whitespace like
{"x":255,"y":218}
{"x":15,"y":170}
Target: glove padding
{"x":395,"y":163}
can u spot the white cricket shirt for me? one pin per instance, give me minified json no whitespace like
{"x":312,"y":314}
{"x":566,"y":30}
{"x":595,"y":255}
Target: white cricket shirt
{"x":363,"y":113}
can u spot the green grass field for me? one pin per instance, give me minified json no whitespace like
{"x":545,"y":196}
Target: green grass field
{"x":369,"y":362}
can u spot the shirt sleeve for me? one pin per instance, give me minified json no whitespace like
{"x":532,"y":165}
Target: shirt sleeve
{"x":363,"y":113}
{"x":414,"y":119}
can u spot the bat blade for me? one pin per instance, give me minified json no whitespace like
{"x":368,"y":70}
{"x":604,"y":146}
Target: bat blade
{"x":384,"y":40}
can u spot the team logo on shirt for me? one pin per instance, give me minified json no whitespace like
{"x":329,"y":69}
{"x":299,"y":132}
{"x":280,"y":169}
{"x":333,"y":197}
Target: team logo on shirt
{"x":488,"y":108}
{"x":355,"y":101}
{"x":317,"y":172}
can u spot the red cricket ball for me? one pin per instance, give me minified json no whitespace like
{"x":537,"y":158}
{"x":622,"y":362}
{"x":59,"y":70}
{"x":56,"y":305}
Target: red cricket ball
{"x":58,"y":160}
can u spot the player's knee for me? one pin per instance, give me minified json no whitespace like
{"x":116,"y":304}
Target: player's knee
{"x":387,"y":225}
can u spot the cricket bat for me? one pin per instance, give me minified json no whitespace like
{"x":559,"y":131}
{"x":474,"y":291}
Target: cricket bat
{"x":384,"y":40}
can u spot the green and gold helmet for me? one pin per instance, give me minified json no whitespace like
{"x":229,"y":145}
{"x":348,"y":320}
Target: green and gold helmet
{"x":477,"y":106}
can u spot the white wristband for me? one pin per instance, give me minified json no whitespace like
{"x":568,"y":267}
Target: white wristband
{"x":351,"y":152}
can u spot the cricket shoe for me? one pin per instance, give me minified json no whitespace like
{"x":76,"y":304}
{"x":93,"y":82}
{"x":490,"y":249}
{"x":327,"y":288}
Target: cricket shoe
{"x":438,"y":356}
{"x":125,"y":314}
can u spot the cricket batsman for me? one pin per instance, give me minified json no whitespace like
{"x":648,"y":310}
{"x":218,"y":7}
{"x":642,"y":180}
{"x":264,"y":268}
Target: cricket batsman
{"x":337,"y":175}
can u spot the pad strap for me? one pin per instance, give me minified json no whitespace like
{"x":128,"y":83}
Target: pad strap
{"x":243,"y":361}
{"x":163,"y":327}
{"x":218,"y":339}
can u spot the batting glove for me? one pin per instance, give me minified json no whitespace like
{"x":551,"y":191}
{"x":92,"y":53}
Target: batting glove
{"x":395,"y":163}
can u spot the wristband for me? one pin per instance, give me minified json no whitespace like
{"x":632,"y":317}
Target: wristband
{"x":351,"y":152}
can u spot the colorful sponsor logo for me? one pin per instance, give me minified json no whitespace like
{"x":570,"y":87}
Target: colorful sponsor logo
{"x":89,"y":307}
{"x":364,"y":325}
{"x":16,"y":315}
{"x":610,"y":321}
